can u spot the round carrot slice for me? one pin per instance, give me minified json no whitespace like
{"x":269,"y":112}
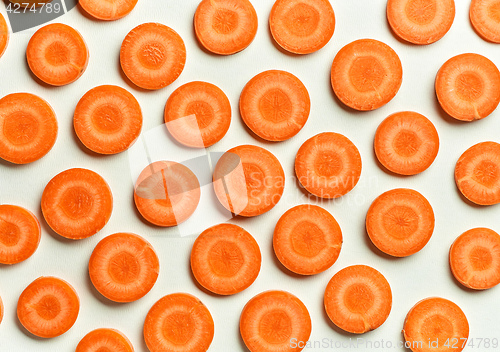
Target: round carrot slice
{"x":485,"y":18}
{"x":275,"y":105}
{"x":108,"y":119}
{"x":477,"y":173}
{"x":77,"y":203}
{"x":166,"y":193}
{"x":105,"y":340}
{"x":307,"y":239}
{"x":152,"y":56}
{"x":366,"y":74}
{"x":57,"y":54}
{"x":4,"y":35}
{"x":420,"y":21}
{"x":248,"y":180}
{"x":406,"y":143}
{"x":198,"y":114}
{"x":108,"y":10}
{"x":272,"y":319}
{"x":28,"y":128}
{"x":328,"y":165}
{"x":302,"y":26}
{"x":468,"y":87}
{"x":225,"y":27}
{"x":358,"y":299}
{"x":48,"y":307}
{"x":435,"y":319}
{"x":178,"y":322}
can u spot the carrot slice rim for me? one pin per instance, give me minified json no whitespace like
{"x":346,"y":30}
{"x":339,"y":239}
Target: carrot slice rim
{"x":485,"y":20}
{"x":110,"y":339}
{"x":108,"y":10}
{"x":4,"y":35}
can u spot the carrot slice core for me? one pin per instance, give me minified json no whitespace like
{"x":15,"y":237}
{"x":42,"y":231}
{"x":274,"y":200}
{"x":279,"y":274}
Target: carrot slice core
{"x":105,"y":340}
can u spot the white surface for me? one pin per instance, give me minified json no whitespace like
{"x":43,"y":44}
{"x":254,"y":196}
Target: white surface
{"x":419,"y":276}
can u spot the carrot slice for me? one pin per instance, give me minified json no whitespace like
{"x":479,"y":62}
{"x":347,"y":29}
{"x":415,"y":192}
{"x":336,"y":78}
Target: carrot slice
{"x":105,"y":340}
{"x":167,"y":193}
{"x":198,"y":114}
{"x":108,"y":119}
{"x":225,"y":27}
{"x":225,"y":259}
{"x":48,"y":307}
{"x":77,"y":203}
{"x":4,"y":35}
{"x":178,"y":322}
{"x":28,"y":128}
{"x":358,"y":299}
{"x":248,"y":180}
{"x":366,"y":74}
{"x":468,"y":87}
{"x":485,"y":18}
{"x":307,"y":239}
{"x":434,"y":319}
{"x":57,"y":54}
{"x":108,"y":10}
{"x":272,"y":319}
{"x":275,"y":105}
{"x":328,"y":165}
{"x":152,"y":56}
{"x":302,"y":26}
{"x":477,"y":173}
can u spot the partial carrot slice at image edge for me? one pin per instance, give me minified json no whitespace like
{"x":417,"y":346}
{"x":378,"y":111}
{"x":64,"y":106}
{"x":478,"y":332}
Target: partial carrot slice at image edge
{"x":108,"y":10}
{"x":4,"y":35}
{"x":484,"y":16}
{"x":105,"y":340}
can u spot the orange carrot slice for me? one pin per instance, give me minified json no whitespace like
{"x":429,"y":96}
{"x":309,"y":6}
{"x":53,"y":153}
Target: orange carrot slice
{"x":105,"y":340}
{"x":152,"y":56}
{"x":485,"y":18}
{"x":434,"y":319}
{"x":275,"y":105}
{"x":178,"y":322}
{"x":406,"y":143}
{"x":358,"y":299}
{"x":198,"y":114}
{"x":307,"y":239}
{"x":225,"y":259}
{"x":477,"y":173}
{"x":4,"y":35}
{"x":302,"y":26}
{"x":167,"y":193}
{"x":468,"y":87}
{"x":77,"y":203}
{"x":28,"y":128}
{"x":225,"y":27}
{"x":248,"y":180}
{"x":108,"y":119}
{"x":475,"y":258}
{"x":272,"y":319}
{"x":328,"y":165}
{"x":57,"y":54}
{"x":48,"y":307}
{"x":366,"y":74}
{"x":108,"y":10}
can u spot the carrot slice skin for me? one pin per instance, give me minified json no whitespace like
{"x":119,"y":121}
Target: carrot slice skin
{"x":108,"y":10}
{"x":307,"y":239}
{"x":485,"y":18}
{"x":108,"y":119}
{"x":198,"y":114}
{"x":302,"y":26}
{"x":105,"y":340}
{"x":48,"y":307}
{"x":152,"y":56}
{"x":4,"y":35}
{"x":225,"y":27}
{"x":275,"y":105}
{"x":272,"y":319}
{"x":358,"y":299}
{"x":178,"y":322}
{"x":77,"y":203}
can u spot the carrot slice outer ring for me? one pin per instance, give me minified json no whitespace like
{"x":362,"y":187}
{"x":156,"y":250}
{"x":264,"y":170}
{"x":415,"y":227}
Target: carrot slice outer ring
{"x":105,"y":339}
{"x":4,"y":35}
{"x":106,"y":10}
{"x":485,"y":19}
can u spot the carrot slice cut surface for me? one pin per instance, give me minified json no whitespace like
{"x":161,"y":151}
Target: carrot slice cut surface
{"x":248,"y":180}
{"x":105,"y":340}
{"x":198,"y":114}
{"x":152,"y":56}
{"x":468,"y":87}
{"x":225,"y":27}
{"x":178,"y":322}
{"x":272,"y":319}
{"x":108,"y":10}
{"x":485,"y":18}
{"x":307,"y":239}
{"x":275,"y":105}
{"x":167,"y":193}
{"x":108,"y":119}
{"x":435,"y":319}
{"x":77,"y":203}
{"x":48,"y":307}
{"x":366,"y":74}
{"x":358,"y":299}
{"x":302,"y":26}
{"x":477,"y":173}
{"x":4,"y":35}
